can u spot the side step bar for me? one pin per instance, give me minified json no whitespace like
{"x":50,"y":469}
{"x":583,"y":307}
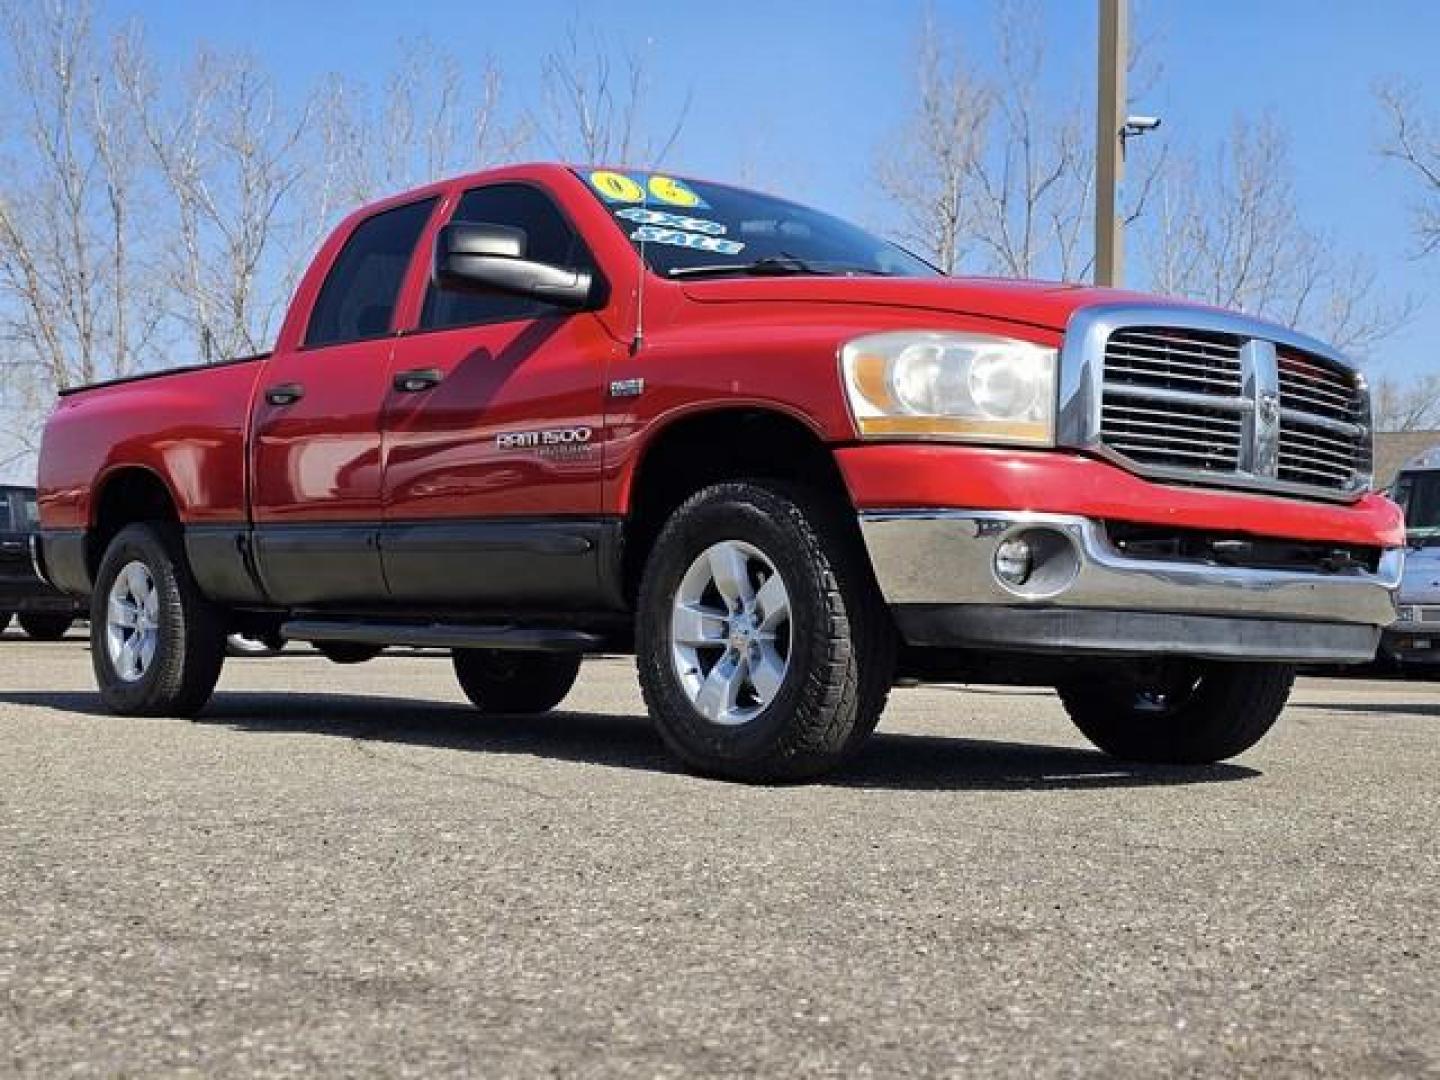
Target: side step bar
{"x":442,"y":635}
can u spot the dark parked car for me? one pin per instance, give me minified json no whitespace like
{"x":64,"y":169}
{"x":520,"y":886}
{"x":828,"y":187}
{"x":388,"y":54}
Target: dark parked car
{"x":45,"y":613}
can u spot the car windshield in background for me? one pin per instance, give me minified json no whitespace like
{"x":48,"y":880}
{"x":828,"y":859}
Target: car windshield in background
{"x":689,"y":229}
{"x":1419,"y":494}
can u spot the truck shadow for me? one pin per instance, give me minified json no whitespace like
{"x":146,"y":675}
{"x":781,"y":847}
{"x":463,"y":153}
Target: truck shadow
{"x":892,"y":761}
{"x":1395,"y":708}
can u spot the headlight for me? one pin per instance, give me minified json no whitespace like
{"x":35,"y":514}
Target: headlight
{"x":951,"y":385}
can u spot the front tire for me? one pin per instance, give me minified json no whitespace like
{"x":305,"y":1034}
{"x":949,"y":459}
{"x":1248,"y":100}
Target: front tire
{"x":156,"y":643}
{"x":1178,"y":712}
{"x":40,"y":626}
{"x":764,"y":650}
{"x":513,"y":682}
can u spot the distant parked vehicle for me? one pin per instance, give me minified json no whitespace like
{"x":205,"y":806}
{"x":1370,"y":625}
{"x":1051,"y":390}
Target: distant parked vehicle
{"x":45,"y":612}
{"x":1413,"y":641}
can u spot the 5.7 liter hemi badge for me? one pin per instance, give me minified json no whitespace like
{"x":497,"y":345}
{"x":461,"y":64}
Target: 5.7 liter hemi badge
{"x":550,"y":437}
{"x":627,"y":388}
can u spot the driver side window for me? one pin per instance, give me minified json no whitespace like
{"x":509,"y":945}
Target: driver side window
{"x":550,"y":239}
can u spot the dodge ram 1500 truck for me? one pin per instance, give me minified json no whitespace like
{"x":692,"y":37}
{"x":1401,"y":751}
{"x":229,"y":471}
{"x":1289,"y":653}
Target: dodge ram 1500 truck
{"x":545,"y":411}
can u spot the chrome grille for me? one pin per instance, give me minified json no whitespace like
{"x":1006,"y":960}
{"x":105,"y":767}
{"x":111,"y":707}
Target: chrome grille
{"x":1322,"y":439}
{"x":1185,"y":361}
{"x":1224,"y":401}
{"x":1155,"y":409}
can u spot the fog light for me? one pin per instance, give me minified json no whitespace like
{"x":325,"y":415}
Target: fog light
{"x":1014,"y":561}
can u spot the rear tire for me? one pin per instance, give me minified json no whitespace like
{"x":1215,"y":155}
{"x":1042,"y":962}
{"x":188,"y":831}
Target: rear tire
{"x":156,"y":625}
{"x":41,"y":626}
{"x":735,"y":690}
{"x":1179,"y":713}
{"x":502,"y":681}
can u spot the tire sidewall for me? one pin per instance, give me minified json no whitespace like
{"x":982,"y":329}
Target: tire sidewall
{"x":42,"y":626}
{"x":515,"y":682}
{"x":764,"y":520}
{"x":140,"y":543}
{"x":1231,"y":709}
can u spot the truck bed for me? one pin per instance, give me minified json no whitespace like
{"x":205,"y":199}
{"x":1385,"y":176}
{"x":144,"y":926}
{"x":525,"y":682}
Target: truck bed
{"x":185,"y":425}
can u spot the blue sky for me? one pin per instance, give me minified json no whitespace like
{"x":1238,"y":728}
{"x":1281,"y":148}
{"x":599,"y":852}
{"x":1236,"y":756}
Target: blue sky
{"x":802,"y":92}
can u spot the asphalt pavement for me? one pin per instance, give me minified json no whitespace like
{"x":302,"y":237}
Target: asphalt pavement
{"x":344,"y":871}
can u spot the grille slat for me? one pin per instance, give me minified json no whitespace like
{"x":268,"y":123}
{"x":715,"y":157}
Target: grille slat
{"x":1178,"y":398}
{"x":1193,"y":380}
{"x":1158,"y":359}
{"x":1229,"y":429}
{"x":1178,"y":357}
{"x":1183,"y":339}
{"x":1218,"y":459}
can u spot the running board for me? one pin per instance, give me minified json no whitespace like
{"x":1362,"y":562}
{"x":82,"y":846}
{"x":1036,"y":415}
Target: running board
{"x":443,"y":635}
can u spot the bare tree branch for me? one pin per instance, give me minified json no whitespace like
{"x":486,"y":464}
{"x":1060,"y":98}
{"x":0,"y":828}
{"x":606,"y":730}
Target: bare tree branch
{"x":1229,"y":233}
{"x":1414,"y":141}
{"x":593,"y":103}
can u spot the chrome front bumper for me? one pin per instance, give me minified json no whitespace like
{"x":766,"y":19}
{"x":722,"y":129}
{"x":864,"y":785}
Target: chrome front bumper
{"x":936,"y":570}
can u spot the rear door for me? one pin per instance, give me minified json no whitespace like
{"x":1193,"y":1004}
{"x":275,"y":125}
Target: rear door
{"x":493,"y":433}
{"x":316,"y":469}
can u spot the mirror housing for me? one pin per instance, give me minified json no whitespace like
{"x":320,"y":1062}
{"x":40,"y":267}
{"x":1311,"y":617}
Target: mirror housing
{"x":474,"y":257}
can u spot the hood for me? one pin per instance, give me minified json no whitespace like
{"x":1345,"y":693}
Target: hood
{"x":1421,"y":581}
{"x":1044,"y":304}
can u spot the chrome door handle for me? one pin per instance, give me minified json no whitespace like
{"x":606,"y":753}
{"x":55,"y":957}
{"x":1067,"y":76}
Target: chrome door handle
{"x":417,"y":381}
{"x":285,"y":394}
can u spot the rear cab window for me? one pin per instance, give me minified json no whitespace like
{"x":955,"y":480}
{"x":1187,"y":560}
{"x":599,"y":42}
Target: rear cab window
{"x":357,"y":301}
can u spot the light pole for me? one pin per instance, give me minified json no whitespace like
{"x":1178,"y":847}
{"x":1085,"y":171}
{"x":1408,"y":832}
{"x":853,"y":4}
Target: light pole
{"x":1110,"y":142}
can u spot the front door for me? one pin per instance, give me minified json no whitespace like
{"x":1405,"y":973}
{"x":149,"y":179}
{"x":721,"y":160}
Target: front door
{"x":316,"y":452}
{"x":493,"y":435}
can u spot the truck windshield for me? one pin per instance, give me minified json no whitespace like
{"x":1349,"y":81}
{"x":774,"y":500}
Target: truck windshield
{"x":690,"y":229}
{"x":1418,"y":493}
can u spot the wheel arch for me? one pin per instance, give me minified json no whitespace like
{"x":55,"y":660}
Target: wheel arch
{"x":703,"y":447}
{"x":124,"y":496}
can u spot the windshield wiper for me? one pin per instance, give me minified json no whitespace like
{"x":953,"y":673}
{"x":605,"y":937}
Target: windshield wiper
{"x":772,"y":265}
{"x":782,"y":265}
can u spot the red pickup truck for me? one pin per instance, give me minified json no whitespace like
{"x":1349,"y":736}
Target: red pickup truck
{"x":543,"y":411}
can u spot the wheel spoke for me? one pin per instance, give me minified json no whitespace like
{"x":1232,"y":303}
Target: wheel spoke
{"x":122,"y":613}
{"x":698,"y":626}
{"x":730,"y":570}
{"x":135,"y":583}
{"x":721,"y":688}
{"x":767,"y":672}
{"x":145,"y":651}
{"x":129,"y":661}
{"x":773,"y":603}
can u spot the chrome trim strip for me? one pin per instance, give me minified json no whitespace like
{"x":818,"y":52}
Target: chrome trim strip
{"x":1260,"y":453}
{"x":946,"y":557}
{"x":1183,"y":397}
{"x":37,"y":560}
{"x":1341,"y":427}
{"x":1082,"y":389}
